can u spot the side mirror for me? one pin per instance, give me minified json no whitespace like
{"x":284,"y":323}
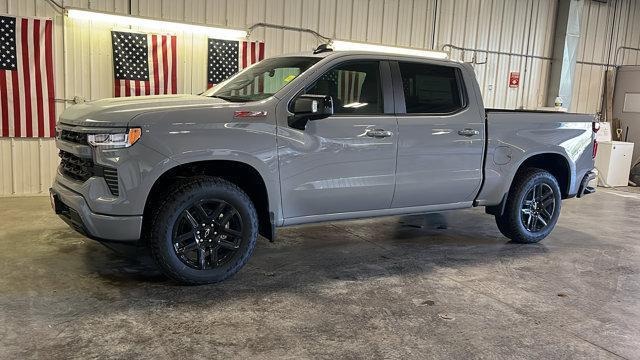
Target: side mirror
{"x":310,"y":107}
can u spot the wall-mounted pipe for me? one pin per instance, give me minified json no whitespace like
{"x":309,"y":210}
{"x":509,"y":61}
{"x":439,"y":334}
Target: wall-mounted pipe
{"x":615,"y":63}
{"x":595,"y":64}
{"x":448,"y":47}
{"x":290,"y":28}
{"x":59,"y":8}
{"x":623,"y":48}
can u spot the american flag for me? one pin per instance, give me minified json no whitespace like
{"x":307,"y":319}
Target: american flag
{"x":350,"y":86}
{"x":144,"y":64}
{"x":227,"y":57}
{"x":26,"y":77}
{"x":348,"y":83}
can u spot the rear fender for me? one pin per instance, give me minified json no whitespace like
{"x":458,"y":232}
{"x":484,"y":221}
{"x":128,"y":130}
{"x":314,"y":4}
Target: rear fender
{"x":499,"y":178}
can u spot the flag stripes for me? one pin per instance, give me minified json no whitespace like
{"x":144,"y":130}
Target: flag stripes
{"x":251,"y":53}
{"x":26,"y":78}
{"x":350,"y":85}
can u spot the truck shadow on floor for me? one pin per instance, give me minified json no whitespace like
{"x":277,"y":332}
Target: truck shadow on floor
{"x":356,"y":251}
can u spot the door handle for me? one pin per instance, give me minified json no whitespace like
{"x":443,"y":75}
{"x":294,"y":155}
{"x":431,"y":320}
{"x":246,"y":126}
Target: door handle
{"x":378,"y":133}
{"x":468,"y":132}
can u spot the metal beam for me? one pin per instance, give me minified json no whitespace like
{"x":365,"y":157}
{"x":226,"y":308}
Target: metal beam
{"x":565,"y":51}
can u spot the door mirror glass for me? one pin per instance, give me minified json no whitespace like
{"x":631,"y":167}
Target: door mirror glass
{"x":310,"y":107}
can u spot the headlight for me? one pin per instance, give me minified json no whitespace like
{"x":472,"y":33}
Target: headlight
{"x":117,"y":140}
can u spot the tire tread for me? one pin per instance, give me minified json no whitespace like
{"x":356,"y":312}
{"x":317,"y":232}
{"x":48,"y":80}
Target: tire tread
{"x":508,"y":222}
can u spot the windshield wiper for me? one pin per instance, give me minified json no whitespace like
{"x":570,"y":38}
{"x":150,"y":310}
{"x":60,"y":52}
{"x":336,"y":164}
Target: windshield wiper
{"x":229,"y":98}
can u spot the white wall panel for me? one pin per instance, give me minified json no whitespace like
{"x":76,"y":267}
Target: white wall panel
{"x":604,"y":28}
{"x":84,"y":69}
{"x":27,"y":166}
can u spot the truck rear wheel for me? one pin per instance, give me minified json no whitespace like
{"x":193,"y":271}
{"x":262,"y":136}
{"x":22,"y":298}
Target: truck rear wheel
{"x":503,"y":226}
{"x":532,"y":208}
{"x":203,"y":231}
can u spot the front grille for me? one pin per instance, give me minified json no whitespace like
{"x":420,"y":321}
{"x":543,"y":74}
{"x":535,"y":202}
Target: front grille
{"x":77,"y":168}
{"x":81,"y":169}
{"x":111,"y":177}
{"x":74,"y":137}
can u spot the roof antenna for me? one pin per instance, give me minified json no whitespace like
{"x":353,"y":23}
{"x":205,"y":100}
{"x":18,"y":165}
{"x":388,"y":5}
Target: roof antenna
{"x":323,"y":48}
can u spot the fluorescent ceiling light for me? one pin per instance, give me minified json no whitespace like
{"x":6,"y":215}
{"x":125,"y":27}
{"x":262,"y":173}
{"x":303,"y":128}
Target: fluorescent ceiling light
{"x":340,"y":45}
{"x":164,"y":26}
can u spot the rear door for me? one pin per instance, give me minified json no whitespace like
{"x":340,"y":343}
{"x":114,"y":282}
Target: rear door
{"x":440,"y":135}
{"x":346,"y":162}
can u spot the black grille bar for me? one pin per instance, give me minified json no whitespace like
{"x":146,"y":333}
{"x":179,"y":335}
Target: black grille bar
{"x":111,"y":178}
{"x":81,"y":169}
{"x":75,"y":167}
{"x":74,"y":137}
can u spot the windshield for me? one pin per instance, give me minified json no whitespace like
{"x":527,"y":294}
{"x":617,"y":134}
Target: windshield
{"x":261,"y":80}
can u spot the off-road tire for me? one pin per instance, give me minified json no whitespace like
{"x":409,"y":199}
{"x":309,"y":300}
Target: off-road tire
{"x":164,"y":216}
{"x":503,"y":226}
{"x":510,"y":223}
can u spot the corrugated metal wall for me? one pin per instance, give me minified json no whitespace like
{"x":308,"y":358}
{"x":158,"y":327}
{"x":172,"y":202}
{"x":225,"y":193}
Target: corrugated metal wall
{"x":604,"y":28}
{"x":84,"y":67}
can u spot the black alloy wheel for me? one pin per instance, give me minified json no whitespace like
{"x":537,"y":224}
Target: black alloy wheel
{"x":538,"y":207}
{"x":207,"y":234}
{"x":203,"y":230}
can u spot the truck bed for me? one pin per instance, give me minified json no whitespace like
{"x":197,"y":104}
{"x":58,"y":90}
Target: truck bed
{"x":515,"y":135}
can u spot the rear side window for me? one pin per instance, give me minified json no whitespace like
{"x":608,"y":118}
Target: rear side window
{"x":430,"y":89}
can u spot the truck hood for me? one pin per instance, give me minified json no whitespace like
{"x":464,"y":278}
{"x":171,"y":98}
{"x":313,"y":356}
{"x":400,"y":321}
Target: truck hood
{"x":117,"y":112}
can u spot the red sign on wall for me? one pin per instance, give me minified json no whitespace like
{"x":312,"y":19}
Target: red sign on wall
{"x":514,"y":79}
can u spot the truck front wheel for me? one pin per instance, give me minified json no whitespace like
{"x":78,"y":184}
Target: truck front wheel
{"x":532,"y":208}
{"x":203,"y":231}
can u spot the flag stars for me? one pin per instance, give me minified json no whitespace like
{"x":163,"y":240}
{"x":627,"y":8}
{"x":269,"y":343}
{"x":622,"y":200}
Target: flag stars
{"x":7,"y":43}
{"x":130,"y":53}
{"x":223,"y":59}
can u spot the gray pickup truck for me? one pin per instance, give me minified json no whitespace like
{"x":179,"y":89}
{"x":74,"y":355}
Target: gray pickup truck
{"x":307,"y":138}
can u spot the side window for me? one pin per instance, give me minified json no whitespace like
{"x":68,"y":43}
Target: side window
{"x":354,"y":87}
{"x":430,"y":89}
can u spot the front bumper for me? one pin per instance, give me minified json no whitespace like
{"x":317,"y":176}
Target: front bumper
{"x":73,"y":209}
{"x":104,"y":206}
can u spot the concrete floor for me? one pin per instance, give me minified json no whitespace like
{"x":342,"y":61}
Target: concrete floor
{"x":438,"y":286}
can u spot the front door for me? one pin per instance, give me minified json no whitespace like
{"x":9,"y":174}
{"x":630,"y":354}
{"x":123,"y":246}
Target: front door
{"x":346,"y":162}
{"x":441,"y":136}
